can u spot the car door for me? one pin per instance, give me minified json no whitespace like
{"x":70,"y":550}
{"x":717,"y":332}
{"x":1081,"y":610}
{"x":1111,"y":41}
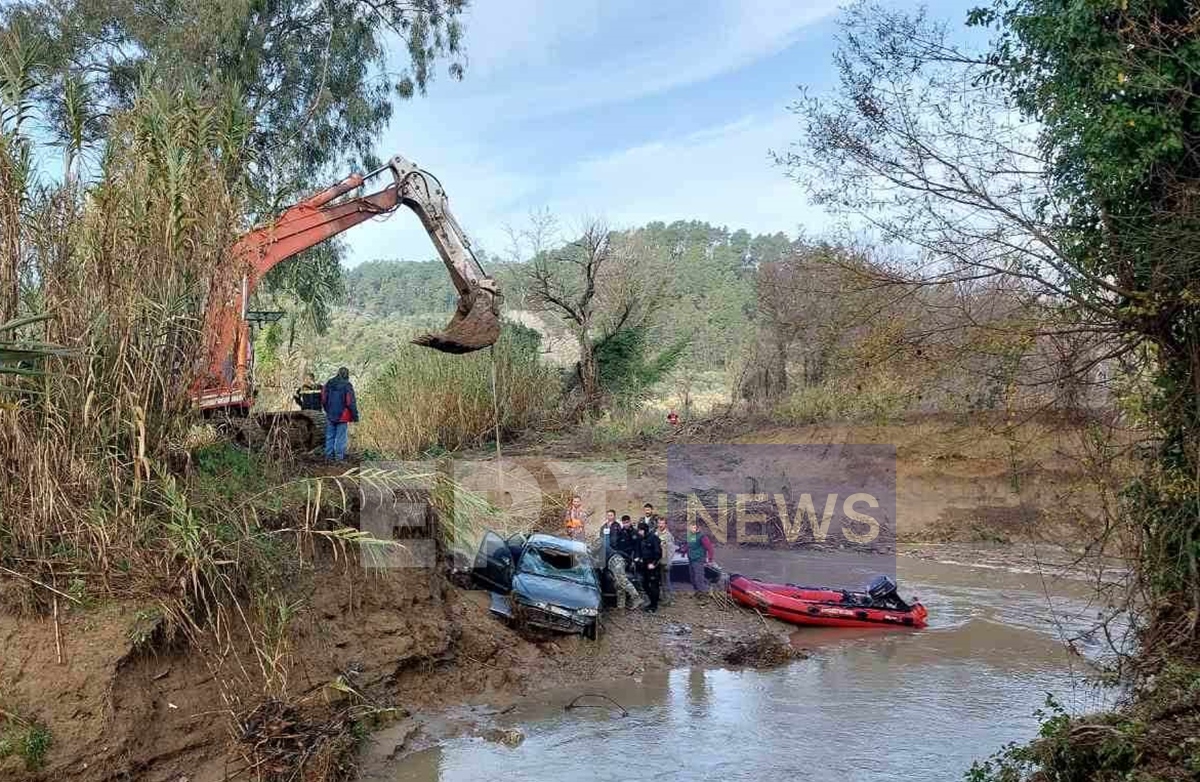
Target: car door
{"x":494,"y":564}
{"x":516,"y":544}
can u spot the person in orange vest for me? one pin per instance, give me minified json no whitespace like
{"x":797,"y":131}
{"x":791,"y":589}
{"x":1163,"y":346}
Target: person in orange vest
{"x":575,"y":518}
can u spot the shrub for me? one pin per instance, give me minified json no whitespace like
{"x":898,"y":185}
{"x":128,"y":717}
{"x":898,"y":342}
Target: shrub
{"x":874,"y":402}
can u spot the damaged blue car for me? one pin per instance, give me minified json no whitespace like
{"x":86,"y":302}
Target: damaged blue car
{"x":543,"y":582}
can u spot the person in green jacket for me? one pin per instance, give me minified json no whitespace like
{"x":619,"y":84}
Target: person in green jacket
{"x":700,"y":553}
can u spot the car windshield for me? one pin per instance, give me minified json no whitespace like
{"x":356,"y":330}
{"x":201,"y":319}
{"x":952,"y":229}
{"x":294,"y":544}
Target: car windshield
{"x":558,"y":563}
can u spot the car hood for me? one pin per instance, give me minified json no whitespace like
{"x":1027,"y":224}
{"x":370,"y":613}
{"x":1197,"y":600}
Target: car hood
{"x":532,"y":588}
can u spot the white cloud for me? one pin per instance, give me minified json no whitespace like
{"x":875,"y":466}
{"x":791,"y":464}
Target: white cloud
{"x":536,"y":58}
{"x":721,"y":174}
{"x":492,"y":141}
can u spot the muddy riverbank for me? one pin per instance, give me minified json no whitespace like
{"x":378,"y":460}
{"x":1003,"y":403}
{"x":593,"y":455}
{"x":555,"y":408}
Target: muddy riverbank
{"x":368,"y":652}
{"x":415,"y":662}
{"x":860,"y":704}
{"x":375,"y":649}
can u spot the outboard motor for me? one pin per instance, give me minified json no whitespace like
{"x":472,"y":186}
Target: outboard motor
{"x":882,"y":590}
{"x":881,"y":587}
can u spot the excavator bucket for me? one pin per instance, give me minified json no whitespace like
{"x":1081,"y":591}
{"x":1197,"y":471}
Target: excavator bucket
{"x":475,"y":325}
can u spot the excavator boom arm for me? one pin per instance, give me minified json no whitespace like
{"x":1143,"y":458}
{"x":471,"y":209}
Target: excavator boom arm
{"x":475,"y":324}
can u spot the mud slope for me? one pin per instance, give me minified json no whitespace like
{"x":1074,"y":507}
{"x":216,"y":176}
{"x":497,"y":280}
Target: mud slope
{"x":154,"y":710}
{"x":982,"y":479}
{"x":404,"y":639}
{"x":976,"y":481}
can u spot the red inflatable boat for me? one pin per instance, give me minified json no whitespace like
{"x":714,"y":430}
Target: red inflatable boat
{"x":879,"y":606}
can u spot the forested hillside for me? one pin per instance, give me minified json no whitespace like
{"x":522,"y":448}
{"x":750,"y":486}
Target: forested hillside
{"x":697,"y":302}
{"x":394,"y":287}
{"x":706,"y":291}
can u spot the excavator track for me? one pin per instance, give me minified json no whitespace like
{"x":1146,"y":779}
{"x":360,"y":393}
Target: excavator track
{"x":300,"y":430}
{"x":304,"y":429}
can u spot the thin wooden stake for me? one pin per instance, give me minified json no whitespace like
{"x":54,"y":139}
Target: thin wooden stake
{"x":57,"y":633}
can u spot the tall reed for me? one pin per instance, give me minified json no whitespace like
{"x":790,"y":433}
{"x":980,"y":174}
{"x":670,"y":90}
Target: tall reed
{"x":116,"y":273}
{"x":425,"y":401}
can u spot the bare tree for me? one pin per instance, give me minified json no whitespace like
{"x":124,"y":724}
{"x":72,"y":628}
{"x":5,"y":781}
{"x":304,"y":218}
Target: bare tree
{"x":927,"y":155}
{"x":599,"y":284}
{"x":922,"y":149}
{"x":566,"y":281}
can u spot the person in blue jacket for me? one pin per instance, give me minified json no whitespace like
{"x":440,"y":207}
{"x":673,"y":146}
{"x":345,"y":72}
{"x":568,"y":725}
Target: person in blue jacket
{"x":341,"y":410}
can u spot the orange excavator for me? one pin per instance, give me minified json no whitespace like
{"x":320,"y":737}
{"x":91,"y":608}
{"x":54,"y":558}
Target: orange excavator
{"x":226,"y":389}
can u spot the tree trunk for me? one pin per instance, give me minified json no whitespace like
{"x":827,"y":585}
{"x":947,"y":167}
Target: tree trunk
{"x":589,"y":379}
{"x":779,"y":385}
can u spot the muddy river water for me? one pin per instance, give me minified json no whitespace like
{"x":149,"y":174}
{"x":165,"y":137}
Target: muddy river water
{"x":867,"y":705}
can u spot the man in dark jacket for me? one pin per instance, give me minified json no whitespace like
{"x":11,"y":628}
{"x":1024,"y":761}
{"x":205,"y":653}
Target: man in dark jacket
{"x":649,"y":553}
{"x":341,"y":410}
{"x":308,"y":395}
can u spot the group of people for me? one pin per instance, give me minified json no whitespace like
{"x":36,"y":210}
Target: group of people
{"x":638,"y":555}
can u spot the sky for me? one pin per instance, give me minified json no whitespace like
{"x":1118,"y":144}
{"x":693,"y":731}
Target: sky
{"x":626,"y":111}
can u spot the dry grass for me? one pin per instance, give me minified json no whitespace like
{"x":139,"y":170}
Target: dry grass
{"x":429,"y":403}
{"x":106,"y":492}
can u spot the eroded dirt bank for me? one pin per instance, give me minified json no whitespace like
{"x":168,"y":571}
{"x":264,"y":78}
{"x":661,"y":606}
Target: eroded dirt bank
{"x":985,"y":478}
{"x":373,"y":650}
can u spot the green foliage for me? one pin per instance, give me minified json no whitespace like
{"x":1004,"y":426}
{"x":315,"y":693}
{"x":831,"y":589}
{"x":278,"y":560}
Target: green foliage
{"x":34,"y":748}
{"x":1150,"y":741}
{"x":122,"y":268}
{"x":24,"y":358}
{"x":225,"y":472}
{"x":385,"y":288}
{"x":626,"y":367}
{"x":622,"y":429}
{"x":20,"y":71}
{"x":28,"y":740}
{"x":364,"y":343}
{"x":299,"y":81}
{"x":709,"y":285}
{"x":705,"y":306}
{"x":522,"y":338}
{"x":308,"y":71}
{"x":1113,"y":85}
{"x":306,"y":288}
{"x":145,"y":622}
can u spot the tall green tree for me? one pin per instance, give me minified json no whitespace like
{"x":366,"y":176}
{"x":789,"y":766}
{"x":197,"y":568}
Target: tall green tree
{"x":313,"y":79}
{"x":1061,"y":163}
{"x":314,"y":75}
{"x":1115,"y":86}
